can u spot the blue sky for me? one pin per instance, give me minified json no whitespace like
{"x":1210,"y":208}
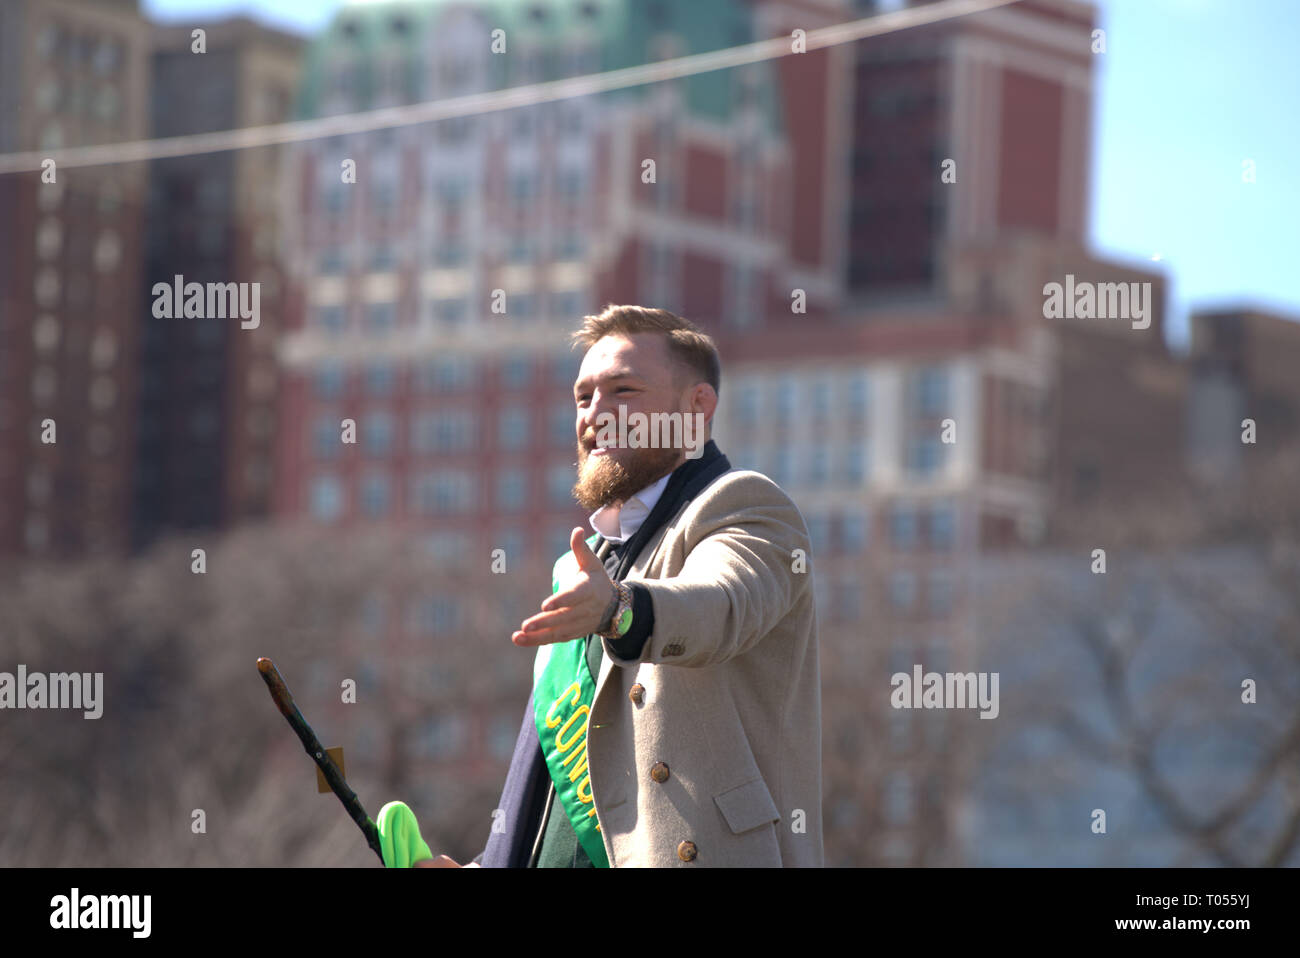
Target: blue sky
{"x":1186,"y":91}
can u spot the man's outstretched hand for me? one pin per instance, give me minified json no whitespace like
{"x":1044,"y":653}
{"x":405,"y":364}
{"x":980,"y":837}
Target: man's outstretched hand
{"x":576,"y":609}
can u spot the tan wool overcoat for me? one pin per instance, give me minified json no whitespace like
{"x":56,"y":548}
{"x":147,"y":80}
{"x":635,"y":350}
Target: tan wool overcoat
{"x":705,"y":751}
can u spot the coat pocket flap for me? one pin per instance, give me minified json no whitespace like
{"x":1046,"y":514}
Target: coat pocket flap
{"x":747,"y":806}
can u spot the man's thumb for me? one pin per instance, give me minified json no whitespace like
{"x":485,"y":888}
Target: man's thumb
{"x":581,"y":551}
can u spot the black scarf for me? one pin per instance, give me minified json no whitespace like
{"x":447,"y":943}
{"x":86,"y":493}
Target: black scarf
{"x":683,"y":485}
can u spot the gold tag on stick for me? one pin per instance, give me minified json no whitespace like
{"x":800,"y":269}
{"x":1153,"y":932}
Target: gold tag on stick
{"x":323,"y":786}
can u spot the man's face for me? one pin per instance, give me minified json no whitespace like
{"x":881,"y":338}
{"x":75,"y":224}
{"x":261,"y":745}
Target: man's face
{"x":637,"y":372}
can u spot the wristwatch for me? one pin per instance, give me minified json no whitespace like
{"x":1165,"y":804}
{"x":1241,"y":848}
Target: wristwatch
{"x":620,"y":620}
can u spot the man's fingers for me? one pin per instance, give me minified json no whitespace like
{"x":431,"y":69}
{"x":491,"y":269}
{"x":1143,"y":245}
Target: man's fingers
{"x":542,"y":637}
{"x":560,"y":618}
{"x":442,"y":861}
{"x":550,"y":627}
{"x":562,"y":600}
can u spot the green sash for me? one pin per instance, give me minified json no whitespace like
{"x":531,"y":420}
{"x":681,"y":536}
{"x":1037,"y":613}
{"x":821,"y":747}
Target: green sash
{"x":563,"y":690}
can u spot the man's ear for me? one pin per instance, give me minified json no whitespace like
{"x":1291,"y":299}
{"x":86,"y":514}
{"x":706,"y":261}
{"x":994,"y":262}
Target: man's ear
{"x":703,"y":399}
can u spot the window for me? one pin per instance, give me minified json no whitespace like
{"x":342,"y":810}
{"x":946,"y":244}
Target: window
{"x":331,"y":261}
{"x":514,"y":544}
{"x":377,"y":432}
{"x":447,"y":430}
{"x":372,"y":614}
{"x":512,"y":490}
{"x":380,"y":379}
{"x":326,"y":497}
{"x":932,"y":391}
{"x":570,"y":245}
{"x":516,"y":372}
{"x":943,"y":526}
{"x":782,"y":465}
{"x":334,"y":199}
{"x":451,"y":311}
{"x":939,"y":590}
{"x":559,"y":484}
{"x":902,"y":526}
{"x":445,"y":375}
{"x":848,"y":601}
{"x":520,"y":249}
{"x":924,"y":456}
{"x":452,"y":189}
{"x":853,"y":535}
{"x":557,"y":539}
{"x":380,"y":319}
{"x":434,"y":615}
{"x":325,"y":436}
{"x":747,"y":404}
{"x":376,"y":496}
{"x":449,"y":252}
{"x":899,"y":728}
{"x":785,"y":400}
{"x":567,"y":303}
{"x":563,"y":424}
{"x":819,"y":466}
{"x":446,"y":546}
{"x":570,"y":183}
{"x":456,"y":430}
{"x":523,"y":186}
{"x":522,"y":306}
{"x":442,"y":492}
{"x":512,"y":427}
{"x":821,"y":400}
{"x":853,"y":463}
{"x":746,"y":301}
{"x":936,"y":654}
{"x":564,"y":369}
{"x":743,"y":457}
{"x":856,"y":396}
{"x":443,"y":739}
{"x":501,"y":739}
{"x":902,"y":590}
{"x":819,"y":531}
{"x":897,"y":799}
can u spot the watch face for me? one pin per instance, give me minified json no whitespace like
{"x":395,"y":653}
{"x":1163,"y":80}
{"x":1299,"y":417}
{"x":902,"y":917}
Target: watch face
{"x":625,"y":621}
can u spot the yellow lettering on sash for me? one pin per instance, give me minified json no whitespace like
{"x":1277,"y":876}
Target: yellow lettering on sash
{"x":576,"y":689}
{"x":580,"y":750}
{"x":562,"y":745}
{"x":585,"y":783}
{"x":579,"y":768}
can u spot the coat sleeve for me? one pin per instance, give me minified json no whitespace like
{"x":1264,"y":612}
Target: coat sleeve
{"x":741,"y":576}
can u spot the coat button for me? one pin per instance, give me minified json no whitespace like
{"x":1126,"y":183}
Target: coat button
{"x":659,"y":772}
{"x":637,"y":694}
{"x":686,"y":851}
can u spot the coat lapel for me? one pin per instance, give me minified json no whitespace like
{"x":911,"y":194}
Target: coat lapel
{"x":602,"y":552}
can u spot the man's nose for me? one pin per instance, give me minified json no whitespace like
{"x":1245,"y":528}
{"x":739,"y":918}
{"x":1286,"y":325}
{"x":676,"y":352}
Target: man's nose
{"x":601,"y":404}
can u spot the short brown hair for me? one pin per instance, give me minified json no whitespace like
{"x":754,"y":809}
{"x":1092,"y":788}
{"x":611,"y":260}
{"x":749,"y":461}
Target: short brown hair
{"x":688,"y":345}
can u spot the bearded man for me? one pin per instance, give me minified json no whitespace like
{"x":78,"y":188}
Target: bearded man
{"x":675,"y":718}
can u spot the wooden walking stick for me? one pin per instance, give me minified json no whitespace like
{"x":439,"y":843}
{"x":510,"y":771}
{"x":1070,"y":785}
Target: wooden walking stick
{"x":284,"y":702}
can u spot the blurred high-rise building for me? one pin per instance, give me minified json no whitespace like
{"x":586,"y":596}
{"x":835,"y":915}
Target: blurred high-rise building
{"x":440,"y":286}
{"x":72,"y":73}
{"x":965,"y":131}
{"x":206,"y":412}
{"x":1244,"y":363}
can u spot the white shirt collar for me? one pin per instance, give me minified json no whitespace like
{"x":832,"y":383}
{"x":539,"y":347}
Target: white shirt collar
{"x":619,"y":523}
